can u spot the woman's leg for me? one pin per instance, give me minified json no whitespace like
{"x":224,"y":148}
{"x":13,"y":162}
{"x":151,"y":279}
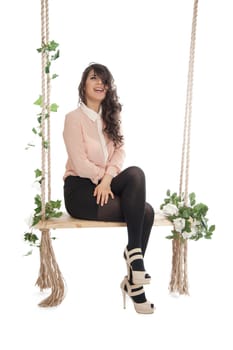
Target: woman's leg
{"x":129,"y":185}
{"x":79,"y":200}
{"x":148,"y":222}
{"x":129,"y":205}
{"x":113,"y":212}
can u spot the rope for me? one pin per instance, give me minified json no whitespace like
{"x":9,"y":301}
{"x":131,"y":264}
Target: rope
{"x":188,"y":111}
{"x":48,"y":109}
{"x":179,"y":275}
{"x":43,"y":94}
{"x":49,"y":275}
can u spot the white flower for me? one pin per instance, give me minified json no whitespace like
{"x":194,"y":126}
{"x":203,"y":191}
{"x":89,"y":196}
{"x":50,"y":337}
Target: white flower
{"x":179,"y":224}
{"x":186,"y":235}
{"x":181,"y":204}
{"x":170,"y":209}
{"x":193,"y":231}
{"x":29,"y":220}
{"x":195,"y":223}
{"x":36,"y":185}
{"x":194,"y":227}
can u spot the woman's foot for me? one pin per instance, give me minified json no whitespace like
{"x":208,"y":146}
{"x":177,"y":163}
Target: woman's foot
{"x":137,"y":294}
{"x":135,"y":266}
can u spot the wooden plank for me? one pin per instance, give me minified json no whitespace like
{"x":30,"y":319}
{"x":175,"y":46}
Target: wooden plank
{"x":66,"y":221}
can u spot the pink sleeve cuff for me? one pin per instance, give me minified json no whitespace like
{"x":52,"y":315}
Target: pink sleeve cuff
{"x":112,"y":170}
{"x":96,"y":179}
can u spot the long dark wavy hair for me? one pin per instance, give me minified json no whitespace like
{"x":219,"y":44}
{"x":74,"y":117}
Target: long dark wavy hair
{"x":111,"y":107}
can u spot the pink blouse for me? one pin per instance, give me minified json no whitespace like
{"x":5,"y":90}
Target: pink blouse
{"x":91,"y":154}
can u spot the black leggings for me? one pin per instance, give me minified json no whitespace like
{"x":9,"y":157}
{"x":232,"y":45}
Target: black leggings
{"x":128,"y":206}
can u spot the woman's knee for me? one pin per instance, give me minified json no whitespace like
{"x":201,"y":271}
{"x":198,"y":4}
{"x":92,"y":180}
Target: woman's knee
{"x":136,"y":173}
{"x":149,"y":213}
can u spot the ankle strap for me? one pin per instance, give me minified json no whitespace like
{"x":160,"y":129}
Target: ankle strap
{"x":134,"y":251}
{"x":134,"y":290}
{"x":135,"y":257}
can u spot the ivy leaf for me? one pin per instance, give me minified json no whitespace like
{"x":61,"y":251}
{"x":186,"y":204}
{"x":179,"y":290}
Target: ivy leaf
{"x":54,"y":107}
{"x":192,"y":198}
{"x":28,"y":253}
{"x":52,"y":45}
{"x":54,"y":57}
{"x":29,"y":145}
{"x":38,"y":173}
{"x":47,"y":68}
{"x":39,"y":101}
{"x":212,"y":228}
{"x":46,"y":144}
{"x":54,"y":76}
{"x":170,"y":237}
{"x":30,"y":237}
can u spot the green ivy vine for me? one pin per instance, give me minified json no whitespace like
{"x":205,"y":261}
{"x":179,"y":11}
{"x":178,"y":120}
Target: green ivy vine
{"x":52,"y":208}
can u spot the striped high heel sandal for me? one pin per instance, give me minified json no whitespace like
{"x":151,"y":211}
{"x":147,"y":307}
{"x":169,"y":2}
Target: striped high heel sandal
{"x":137,"y":295}
{"x":137,"y":277}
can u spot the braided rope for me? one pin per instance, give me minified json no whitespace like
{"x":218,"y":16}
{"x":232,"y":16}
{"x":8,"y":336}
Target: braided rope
{"x":188,"y":111}
{"x":48,"y":109}
{"x":179,"y":275}
{"x":43,"y":94}
{"x":49,"y":275}
{"x":45,"y":122}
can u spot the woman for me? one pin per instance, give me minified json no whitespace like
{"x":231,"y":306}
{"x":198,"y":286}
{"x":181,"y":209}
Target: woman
{"x":95,"y":186}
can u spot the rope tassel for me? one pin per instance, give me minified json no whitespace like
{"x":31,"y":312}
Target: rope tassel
{"x":49,"y":275}
{"x":179,"y":278}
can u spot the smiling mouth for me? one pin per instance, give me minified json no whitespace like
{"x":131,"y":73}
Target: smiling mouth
{"x":99,"y":90}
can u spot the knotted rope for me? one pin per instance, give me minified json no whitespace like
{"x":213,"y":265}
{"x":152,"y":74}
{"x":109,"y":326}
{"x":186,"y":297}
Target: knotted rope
{"x":179,"y":278}
{"x":49,"y":274}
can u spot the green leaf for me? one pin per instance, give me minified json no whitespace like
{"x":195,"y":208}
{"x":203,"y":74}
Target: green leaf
{"x":212,"y":228}
{"x":192,"y":198}
{"x":54,"y":107}
{"x":52,"y":45}
{"x":47,"y":67}
{"x":56,"y":56}
{"x":28,"y":253}
{"x":55,"y":76}
{"x":29,"y":145}
{"x":30,"y":237}
{"x":39,"y":101}
{"x":38,"y":173}
{"x":46,"y":144}
{"x":36,"y":219}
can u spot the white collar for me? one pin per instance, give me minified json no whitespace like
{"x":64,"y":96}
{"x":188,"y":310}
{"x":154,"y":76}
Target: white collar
{"x":90,"y":112}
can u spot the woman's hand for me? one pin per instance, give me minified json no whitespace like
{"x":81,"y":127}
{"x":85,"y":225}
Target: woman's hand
{"x":103,"y":190}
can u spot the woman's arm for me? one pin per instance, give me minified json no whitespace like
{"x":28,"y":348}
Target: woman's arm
{"x":75,"y":146}
{"x":115,"y":162}
{"x":114,"y":166}
{"x":103,"y":190}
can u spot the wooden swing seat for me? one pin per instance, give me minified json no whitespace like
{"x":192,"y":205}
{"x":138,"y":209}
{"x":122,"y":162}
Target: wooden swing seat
{"x":66,"y":221}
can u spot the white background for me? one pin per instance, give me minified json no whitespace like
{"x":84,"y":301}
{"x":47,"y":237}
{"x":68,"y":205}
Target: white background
{"x":146,"y":46}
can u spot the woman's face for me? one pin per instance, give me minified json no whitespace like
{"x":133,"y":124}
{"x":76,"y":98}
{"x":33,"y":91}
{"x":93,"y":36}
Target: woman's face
{"x":95,"y":89}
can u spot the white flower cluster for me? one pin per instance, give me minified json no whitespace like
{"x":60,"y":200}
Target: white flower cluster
{"x":179,"y":223}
